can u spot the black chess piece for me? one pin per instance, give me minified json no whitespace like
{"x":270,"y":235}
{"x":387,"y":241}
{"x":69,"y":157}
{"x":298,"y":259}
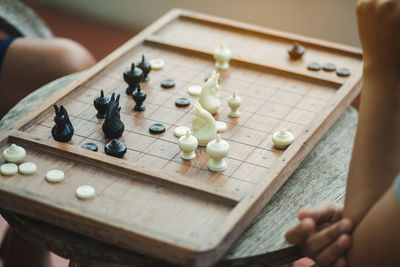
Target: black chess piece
{"x":63,"y":130}
{"x":146,"y":68}
{"x":115,"y":148}
{"x":296,"y":51}
{"x":139,"y":96}
{"x":133,"y":77}
{"x":113,"y":127}
{"x":101,"y":104}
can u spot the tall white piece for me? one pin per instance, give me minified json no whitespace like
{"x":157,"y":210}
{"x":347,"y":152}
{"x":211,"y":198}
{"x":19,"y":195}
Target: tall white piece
{"x":217,"y":149}
{"x":222,"y":56}
{"x":209,"y":96}
{"x":188,"y":144}
{"x":234,"y":103}
{"x":203,"y":125}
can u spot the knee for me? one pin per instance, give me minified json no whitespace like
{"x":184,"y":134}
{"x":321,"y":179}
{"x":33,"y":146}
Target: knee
{"x":71,"y":56}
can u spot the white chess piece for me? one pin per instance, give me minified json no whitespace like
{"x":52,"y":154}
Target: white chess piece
{"x":222,"y":56}
{"x":14,"y":154}
{"x":282,"y":138}
{"x":203,"y":125}
{"x":188,"y":144}
{"x":217,"y":150}
{"x":209,"y":96}
{"x":234,"y":103}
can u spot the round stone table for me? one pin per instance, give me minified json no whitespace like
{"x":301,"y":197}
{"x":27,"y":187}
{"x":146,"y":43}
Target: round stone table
{"x":321,"y":176}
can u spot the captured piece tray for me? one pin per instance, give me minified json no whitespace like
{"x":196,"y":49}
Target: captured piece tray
{"x":151,"y":201}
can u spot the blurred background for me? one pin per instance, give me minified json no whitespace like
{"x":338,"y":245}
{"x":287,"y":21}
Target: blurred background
{"x":103,"y":25}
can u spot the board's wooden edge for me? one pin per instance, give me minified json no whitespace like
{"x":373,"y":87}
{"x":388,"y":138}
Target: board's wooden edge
{"x":310,"y":41}
{"x":334,"y":82}
{"x":146,"y":242}
{"x":249,"y":207}
{"x":121,"y":166}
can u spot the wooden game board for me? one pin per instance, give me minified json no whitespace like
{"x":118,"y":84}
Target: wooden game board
{"x":151,"y":201}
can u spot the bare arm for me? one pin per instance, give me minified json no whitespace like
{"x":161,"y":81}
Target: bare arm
{"x":376,"y":240}
{"x":376,"y":154}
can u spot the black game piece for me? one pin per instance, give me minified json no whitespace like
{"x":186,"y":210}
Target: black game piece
{"x":133,"y":77}
{"x":182,"y":102}
{"x":101,"y":104}
{"x":139,"y":96}
{"x":314,"y":66}
{"x":296,"y":51}
{"x":90,"y":146}
{"x":157,"y":128}
{"x":146,"y":68}
{"x":343,"y":72}
{"x":63,"y":130}
{"x":167,"y":83}
{"x":113,"y":127}
{"x":329,"y":67}
{"x":115,"y":148}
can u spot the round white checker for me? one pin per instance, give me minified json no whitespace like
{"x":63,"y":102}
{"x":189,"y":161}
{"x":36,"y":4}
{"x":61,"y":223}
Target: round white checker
{"x":9,"y":169}
{"x":27,"y":168}
{"x":85,"y":192}
{"x":195,"y":90}
{"x":221,"y":126}
{"x":157,"y":64}
{"x":181,"y":131}
{"x":54,"y":176}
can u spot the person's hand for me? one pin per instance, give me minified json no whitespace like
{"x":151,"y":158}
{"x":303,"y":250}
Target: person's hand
{"x":379,"y":30}
{"x":312,"y":220}
{"x":322,"y":234}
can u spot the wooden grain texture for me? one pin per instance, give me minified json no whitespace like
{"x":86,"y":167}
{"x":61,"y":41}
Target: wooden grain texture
{"x":151,"y":185}
{"x":321,"y":176}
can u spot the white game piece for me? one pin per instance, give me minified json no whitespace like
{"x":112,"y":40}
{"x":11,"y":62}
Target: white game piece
{"x":222,"y":56}
{"x":209,"y":97}
{"x":217,"y":150}
{"x":85,"y":192}
{"x":203,"y":125}
{"x":54,"y":176}
{"x":234,"y":103}
{"x":221,"y":126}
{"x":188,"y":144}
{"x":27,"y":168}
{"x":282,"y":138}
{"x":157,"y":64}
{"x":181,"y":131}
{"x":14,"y":154}
{"x":9,"y":169}
{"x":194,"y":90}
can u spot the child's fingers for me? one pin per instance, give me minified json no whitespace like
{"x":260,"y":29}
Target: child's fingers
{"x":324,"y":212}
{"x":300,"y":232}
{"x":317,"y":242}
{"x":334,"y":252}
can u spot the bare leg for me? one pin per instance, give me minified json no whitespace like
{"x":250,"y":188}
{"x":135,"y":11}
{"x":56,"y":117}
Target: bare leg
{"x":30,"y":63}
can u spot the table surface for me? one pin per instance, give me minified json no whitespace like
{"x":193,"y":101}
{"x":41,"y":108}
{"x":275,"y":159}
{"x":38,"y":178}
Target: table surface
{"x":321,"y":176}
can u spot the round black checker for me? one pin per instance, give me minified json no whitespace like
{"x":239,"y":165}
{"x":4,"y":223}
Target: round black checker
{"x":167,"y":83}
{"x":157,"y":128}
{"x":314,"y":66}
{"x":343,"y":72}
{"x":329,"y":67}
{"x":182,"y":102}
{"x":90,"y":146}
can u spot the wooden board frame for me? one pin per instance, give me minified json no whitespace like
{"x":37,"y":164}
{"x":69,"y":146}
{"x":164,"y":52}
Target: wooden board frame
{"x":244,"y":206}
